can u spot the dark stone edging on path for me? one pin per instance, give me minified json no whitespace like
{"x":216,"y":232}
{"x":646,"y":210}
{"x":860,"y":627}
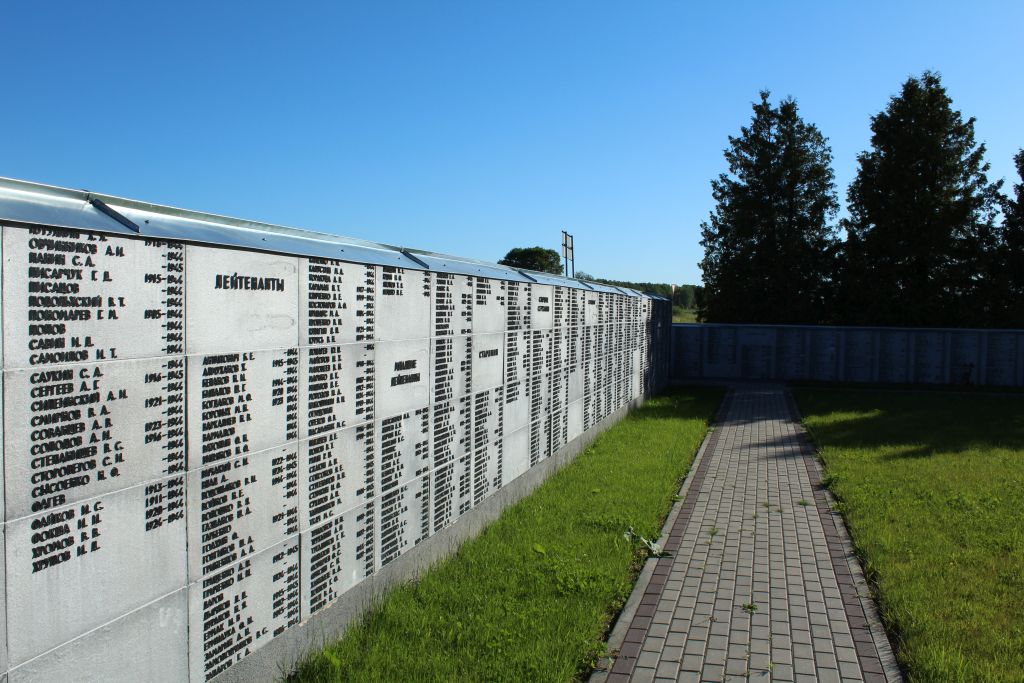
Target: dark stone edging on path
{"x":640,"y":620}
{"x":874,"y":652}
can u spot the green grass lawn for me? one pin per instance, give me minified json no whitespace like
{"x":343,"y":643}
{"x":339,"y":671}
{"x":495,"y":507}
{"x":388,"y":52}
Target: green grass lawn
{"x":683,"y":315}
{"x":932,"y":487}
{"x":532,"y":596}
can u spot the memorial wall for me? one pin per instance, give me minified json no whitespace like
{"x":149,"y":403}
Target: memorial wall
{"x":206,"y":445}
{"x":849,"y":354}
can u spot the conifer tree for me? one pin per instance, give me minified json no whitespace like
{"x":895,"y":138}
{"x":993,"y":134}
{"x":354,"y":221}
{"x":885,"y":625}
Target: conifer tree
{"x":769,"y":245}
{"x":922,"y":237}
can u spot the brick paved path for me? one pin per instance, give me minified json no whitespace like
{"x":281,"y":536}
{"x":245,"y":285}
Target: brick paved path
{"x":761,"y":584}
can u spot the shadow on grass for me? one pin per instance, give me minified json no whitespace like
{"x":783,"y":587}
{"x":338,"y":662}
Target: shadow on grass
{"x":919,"y":427}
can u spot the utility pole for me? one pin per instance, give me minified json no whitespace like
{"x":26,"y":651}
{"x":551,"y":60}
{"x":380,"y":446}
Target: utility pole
{"x":567,"y":254}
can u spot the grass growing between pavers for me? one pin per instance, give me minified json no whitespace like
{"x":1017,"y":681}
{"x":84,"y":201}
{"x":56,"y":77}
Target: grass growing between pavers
{"x":532,"y":596}
{"x":932,"y":488}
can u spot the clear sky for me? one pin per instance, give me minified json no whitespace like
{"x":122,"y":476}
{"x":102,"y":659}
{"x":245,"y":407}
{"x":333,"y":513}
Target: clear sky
{"x":473,"y":127}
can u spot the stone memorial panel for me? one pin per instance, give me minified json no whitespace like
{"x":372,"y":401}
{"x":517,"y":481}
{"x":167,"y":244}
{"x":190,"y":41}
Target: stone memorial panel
{"x":335,"y":556}
{"x":240,"y":300}
{"x":336,"y":302}
{"x":488,"y":361}
{"x":824,"y":355}
{"x":78,"y":431}
{"x":337,"y":472}
{"x":452,"y":305}
{"x":590,"y":308}
{"x":964,"y":357}
{"x":859,"y":355}
{"x":930,"y":357}
{"x":149,"y":644}
{"x":515,"y":451}
{"x":1001,"y":368}
{"x":241,"y":607}
{"x":488,"y":430}
{"x":541,"y":315}
{"x":80,"y":297}
{"x":488,"y":306}
{"x":241,"y":402}
{"x":893,"y":356}
{"x":403,"y":518}
{"x":73,"y":568}
{"x":452,"y":458}
{"x":241,"y":505}
{"x":403,"y":376}
{"x":791,"y":356}
{"x":402,"y":304}
{"x":337,"y":387}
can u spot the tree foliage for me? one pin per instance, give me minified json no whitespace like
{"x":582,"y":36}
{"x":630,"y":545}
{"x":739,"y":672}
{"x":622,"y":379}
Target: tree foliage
{"x":769,"y":245}
{"x":922,"y":239}
{"x":1009,"y":280}
{"x":534,"y":258}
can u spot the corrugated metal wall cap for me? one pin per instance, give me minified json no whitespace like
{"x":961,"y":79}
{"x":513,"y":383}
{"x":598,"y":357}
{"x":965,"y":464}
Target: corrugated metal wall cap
{"x":31,"y":203}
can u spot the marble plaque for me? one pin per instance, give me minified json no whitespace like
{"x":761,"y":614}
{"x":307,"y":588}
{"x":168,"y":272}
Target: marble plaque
{"x":791,"y":357}
{"x":451,"y":368}
{"x":452,"y":458}
{"x":1001,"y":358}
{"x":720,"y":350}
{"x":72,"y":569}
{"x":488,"y":430}
{"x":240,"y":300}
{"x":859,"y":355}
{"x":964,"y":357}
{"x":893,"y":356}
{"x":240,"y":506}
{"x":488,"y":361}
{"x":452,"y":305}
{"x":336,"y":555}
{"x":336,"y":302}
{"x":929,"y":357}
{"x":403,"y":449}
{"x":403,"y":518}
{"x":824,"y":354}
{"x":488,"y":306}
{"x":515,"y":452}
{"x":337,"y":387}
{"x":590,"y":308}
{"x":402,"y":304}
{"x":403,"y":376}
{"x":240,"y":608}
{"x":80,"y":297}
{"x":79,"y":431}
{"x":241,"y":402}
{"x":337,"y":472}
{"x":149,"y":644}
{"x":518,"y":297}
{"x":541,"y":313}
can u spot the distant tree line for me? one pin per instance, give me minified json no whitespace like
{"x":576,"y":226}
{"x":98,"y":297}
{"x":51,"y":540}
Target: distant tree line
{"x":545,"y":260}
{"x":684,"y":296}
{"x":929,"y":240}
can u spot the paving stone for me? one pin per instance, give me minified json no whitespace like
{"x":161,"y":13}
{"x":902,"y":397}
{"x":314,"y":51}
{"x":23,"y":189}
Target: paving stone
{"x":781,"y":561}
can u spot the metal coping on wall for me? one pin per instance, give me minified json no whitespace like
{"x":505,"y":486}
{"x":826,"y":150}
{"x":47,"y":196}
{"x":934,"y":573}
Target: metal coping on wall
{"x":28,"y":203}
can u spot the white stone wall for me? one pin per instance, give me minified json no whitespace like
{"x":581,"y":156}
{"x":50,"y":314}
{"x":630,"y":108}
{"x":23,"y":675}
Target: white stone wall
{"x":205,"y":446}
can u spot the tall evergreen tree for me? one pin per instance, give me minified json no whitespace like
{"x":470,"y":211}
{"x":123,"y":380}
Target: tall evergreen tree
{"x":921,"y":234}
{"x":769,"y":245}
{"x":1010,"y":280}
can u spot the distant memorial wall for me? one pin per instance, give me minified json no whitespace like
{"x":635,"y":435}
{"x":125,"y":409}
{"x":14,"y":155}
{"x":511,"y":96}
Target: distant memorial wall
{"x":849,"y":354}
{"x":206,"y":445}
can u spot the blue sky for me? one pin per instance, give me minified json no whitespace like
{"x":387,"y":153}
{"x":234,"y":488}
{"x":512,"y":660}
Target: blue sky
{"x":473,"y":127}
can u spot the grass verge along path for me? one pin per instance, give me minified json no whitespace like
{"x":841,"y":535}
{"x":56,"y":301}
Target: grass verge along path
{"x":932,"y":488}
{"x":531,"y":597}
